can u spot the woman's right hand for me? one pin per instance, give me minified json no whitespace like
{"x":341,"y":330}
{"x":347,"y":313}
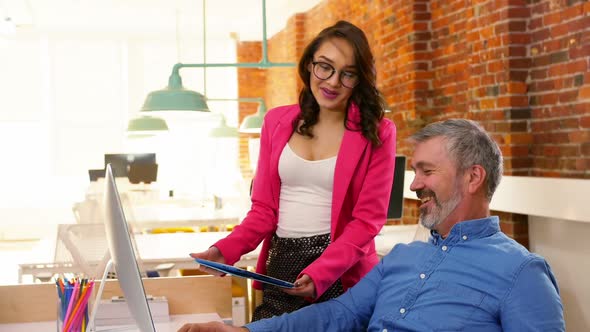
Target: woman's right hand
{"x":211,"y":254}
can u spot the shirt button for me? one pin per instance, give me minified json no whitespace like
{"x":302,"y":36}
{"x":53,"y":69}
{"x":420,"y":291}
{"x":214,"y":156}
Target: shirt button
{"x":402,"y":310}
{"x":422,"y":275}
{"x":444,"y":248}
{"x":464,"y":237}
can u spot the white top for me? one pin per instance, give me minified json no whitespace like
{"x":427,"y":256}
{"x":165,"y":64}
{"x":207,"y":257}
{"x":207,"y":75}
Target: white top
{"x":306,"y":195}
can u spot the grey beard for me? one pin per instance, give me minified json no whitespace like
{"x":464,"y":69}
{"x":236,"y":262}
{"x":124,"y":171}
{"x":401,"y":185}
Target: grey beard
{"x":440,"y":212}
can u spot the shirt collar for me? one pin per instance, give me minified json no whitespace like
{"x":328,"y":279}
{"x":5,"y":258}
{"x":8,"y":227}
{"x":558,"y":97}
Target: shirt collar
{"x":471,"y":229}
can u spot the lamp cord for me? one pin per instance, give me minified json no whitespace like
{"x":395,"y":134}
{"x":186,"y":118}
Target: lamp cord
{"x":177,"y":34}
{"x":204,"y":49}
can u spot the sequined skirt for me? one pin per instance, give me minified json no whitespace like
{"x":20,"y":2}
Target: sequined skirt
{"x":287,"y":257}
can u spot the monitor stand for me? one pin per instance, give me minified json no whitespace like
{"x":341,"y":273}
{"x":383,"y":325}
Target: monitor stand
{"x":107,"y":269}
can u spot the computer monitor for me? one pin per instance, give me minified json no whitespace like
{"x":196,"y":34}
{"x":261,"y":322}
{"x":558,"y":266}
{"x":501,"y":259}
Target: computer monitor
{"x":146,"y":173}
{"x":123,"y":257}
{"x":396,"y":200}
{"x":121,"y":162}
{"x":95,"y":174}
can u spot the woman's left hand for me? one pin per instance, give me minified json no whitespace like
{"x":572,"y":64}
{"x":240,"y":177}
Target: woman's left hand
{"x":303,"y":287}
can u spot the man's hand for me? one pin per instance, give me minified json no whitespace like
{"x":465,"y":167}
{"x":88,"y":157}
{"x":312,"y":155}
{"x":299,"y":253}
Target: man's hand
{"x":303,"y":287}
{"x":211,"y":327}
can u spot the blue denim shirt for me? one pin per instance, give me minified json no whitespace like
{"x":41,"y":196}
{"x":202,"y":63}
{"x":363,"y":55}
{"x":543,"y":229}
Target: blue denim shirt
{"x":476,"y":279}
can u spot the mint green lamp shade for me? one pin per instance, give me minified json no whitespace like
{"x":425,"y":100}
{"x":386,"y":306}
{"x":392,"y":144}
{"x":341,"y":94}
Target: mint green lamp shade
{"x":252,"y":124}
{"x":146,"y":124}
{"x":175,"y":98}
{"x":223,"y":130}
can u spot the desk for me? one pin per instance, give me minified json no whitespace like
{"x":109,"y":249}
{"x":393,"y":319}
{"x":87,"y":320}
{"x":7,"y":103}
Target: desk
{"x":156,"y":249}
{"x":163,"y":213}
{"x":175,"y":248}
{"x":176,"y":322}
{"x":187,"y":295}
{"x":172,"y":215}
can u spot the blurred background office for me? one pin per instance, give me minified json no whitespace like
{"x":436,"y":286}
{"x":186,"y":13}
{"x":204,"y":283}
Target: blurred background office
{"x":75,"y":73}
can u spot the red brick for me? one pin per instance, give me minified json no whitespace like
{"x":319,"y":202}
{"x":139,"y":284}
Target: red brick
{"x":579,"y":136}
{"x":548,"y":99}
{"x":539,"y":74}
{"x":568,"y":96}
{"x":584,"y":92}
{"x":519,"y":138}
{"x":519,"y":151}
{"x":578,"y":66}
{"x":513,"y":101}
{"x":552,"y":19}
{"x":512,"y":228}
{"x":581,"y":108}
{"x":487,"y":104}
{"x":569,"y":151}
{"x":582,"y":164}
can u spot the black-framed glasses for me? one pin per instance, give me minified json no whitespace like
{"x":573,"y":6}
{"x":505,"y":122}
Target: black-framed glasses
{"x":324,"y":70}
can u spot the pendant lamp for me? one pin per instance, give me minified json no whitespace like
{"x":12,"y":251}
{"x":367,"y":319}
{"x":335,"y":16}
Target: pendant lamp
{"x":223,"y":130}
{"x":147,"y":123}
{"x":145,"y":126}
{"x":175,"y":98}
{"x":252,"y":124}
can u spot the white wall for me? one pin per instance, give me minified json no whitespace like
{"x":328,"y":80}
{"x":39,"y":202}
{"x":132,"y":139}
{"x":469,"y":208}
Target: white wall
{"x":65,"y":99}
{"x":565,"y":245}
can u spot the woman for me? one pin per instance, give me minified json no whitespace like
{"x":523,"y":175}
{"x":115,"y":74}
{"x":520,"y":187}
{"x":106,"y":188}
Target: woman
{"x":323,"y":180}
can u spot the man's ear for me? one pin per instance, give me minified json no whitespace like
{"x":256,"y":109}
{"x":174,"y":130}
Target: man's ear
{"x":476,"y":178}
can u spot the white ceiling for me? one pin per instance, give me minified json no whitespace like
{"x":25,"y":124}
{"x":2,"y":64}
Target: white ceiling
{"x":243,"y":17}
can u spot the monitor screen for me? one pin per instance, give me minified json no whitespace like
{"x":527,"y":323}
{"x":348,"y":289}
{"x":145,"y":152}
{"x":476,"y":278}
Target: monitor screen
{"x":396,"y":200}
{"x":123,"y":256}
{"x":121,"y":162}
{"x":146,"y":173}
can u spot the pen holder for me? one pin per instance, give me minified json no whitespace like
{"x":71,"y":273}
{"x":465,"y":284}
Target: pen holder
{"x":60,"y":314}
{"x":72,"y":308}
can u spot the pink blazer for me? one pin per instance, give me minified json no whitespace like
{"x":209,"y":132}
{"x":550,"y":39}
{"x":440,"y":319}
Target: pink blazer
{"x":362,"y":184}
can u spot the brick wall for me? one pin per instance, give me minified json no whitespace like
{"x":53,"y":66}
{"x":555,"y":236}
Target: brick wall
{"x":276,"y":85}
{"x":559,"y":88}
{"x":283,"y":83}
{"x":252,"y":84}
{"x":520,"y":68}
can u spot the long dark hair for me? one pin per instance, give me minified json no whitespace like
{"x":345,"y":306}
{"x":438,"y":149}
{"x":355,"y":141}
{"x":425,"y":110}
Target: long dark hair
{"x":365,"y":94}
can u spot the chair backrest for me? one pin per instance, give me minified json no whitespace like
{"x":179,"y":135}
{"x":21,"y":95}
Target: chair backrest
{"x":85,"y":246}
{"x":88,"y":211}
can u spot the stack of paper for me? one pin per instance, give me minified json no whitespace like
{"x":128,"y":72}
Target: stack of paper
{"x":115,"y":311}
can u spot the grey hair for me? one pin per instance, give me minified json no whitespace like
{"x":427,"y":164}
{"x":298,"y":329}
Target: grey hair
{"x":468,"y":144}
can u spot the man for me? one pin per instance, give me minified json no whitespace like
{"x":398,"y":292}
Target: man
{"x":469,"y":276}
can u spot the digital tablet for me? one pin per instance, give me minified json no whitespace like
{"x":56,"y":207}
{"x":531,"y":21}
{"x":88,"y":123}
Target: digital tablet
{"x":224,"y":268}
